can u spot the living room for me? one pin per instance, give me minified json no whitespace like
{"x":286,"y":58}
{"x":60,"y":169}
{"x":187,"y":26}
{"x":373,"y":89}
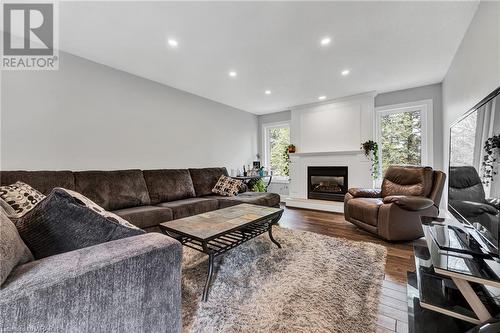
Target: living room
{"x":277,"y":166}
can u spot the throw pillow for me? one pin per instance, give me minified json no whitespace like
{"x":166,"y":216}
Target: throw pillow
{"x":67,"y":221}
{"x":227,"y":186}
{"x":21,"y":197}
{"x":13,"y":251}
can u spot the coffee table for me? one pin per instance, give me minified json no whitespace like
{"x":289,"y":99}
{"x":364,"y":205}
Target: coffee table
{"x":218,"y":231}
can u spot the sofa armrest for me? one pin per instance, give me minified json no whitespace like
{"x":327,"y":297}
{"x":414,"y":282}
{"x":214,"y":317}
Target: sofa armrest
{"x":411,"y":203}
{"x":365,"y":192}
{"x":132,"y":284}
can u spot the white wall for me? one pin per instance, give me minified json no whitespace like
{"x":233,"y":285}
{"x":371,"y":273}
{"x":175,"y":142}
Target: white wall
{"x":337,"y":125}
{"x":90,"y":116}
{"x":475,"y":69}
{"x":433,"y":92}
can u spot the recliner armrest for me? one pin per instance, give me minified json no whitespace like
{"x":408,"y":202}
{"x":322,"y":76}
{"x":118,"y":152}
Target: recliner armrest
{"x":365,"y":192}
{"x":411,"y":203}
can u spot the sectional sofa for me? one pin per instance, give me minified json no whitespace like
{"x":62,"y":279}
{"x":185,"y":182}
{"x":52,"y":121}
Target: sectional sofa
{"x":145,"y":198}
{"x":127,"y":285}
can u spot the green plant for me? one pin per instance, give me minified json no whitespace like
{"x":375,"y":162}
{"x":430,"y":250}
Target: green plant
{"x":259,"y":186}
{"x":370,"y":149}
{"x":491,"y":146}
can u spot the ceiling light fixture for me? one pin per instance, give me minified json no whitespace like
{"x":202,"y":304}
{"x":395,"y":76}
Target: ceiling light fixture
{"x":267,"y":92}
{"x":173,"y":42}
{"x":345,"y":72}
{"x":322,"y":98}
{"x":233,"y":74}
{"x":325,"y":41}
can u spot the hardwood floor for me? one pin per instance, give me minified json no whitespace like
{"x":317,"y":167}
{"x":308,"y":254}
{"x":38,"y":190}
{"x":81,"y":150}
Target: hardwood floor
{"x":392,"y":313}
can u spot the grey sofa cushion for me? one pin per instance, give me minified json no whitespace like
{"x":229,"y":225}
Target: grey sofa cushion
{"x":13,"y":251}
{"x":191,"y":206}
{"x":205,"y":179}
{"x":169,"y":185}
{"x":127,"y":285}
{"x":255,"y":198}
{"x":43,"y":181}
{"x":145,"y":216}
{"x":113,"y":190}
{"x":60,"y":223}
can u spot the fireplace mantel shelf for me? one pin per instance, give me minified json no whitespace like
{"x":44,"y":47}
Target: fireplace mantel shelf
{"x":325,"y":153}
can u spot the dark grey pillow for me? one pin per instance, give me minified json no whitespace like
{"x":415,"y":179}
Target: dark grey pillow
{"x":62,"y":223}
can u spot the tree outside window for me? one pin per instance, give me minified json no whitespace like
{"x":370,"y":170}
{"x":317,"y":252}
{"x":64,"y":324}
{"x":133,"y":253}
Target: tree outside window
{"x":401,"y":139}
{"x":278,"y":139}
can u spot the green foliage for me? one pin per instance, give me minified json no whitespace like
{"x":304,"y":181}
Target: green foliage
{"x":491,"y":146}
{"x":258,"y":186}
{"x":279,"y":139}
{"x":370,"y":148}
{"x":401,"y":139}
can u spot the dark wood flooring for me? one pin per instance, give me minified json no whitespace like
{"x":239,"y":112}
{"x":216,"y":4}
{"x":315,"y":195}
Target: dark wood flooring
{"x":392,"y":313}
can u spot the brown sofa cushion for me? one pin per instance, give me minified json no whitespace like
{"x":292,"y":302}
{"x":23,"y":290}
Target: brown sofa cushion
{"x":407,"y":180}
{"x":192,"y":206}
{"x":205,"y":179}
{"x":113,"y":190}
{"x":43,"y":181}
{"x":145,"y":216}
{"x":255,"y":198}
{"x":168,"y":185}
{"x":365,"y":209}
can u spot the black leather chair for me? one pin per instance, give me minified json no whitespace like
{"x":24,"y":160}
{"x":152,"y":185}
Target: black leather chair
{"x":466,"y":195}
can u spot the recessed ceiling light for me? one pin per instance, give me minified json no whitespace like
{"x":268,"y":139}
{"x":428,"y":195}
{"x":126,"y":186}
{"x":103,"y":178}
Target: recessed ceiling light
{"x":325,"y":41}
{"x":267,"y":92}
{"x":345,"y":72}
{"x":173,"y":42}
{"x":233,"y":74}
{"x":321,"y":98}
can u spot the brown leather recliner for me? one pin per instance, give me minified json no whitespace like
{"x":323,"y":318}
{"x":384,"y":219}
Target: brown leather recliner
{"x":393,"y":212}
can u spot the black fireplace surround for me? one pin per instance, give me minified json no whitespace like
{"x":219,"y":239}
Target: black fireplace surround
{"x":327,"y":182}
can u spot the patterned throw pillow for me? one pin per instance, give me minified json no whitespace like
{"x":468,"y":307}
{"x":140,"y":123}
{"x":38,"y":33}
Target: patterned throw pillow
{"x":21,"y":197}
{"x":83,"y":200}
{"x":227,"y":186}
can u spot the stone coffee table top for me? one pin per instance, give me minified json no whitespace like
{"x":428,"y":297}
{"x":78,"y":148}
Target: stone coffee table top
{"x":211,"y":224}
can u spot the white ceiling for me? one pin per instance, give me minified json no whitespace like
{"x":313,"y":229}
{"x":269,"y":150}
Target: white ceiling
{"x":272,"y":45}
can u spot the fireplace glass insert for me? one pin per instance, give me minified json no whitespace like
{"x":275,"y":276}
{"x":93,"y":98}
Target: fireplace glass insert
{"x":327,"y":182}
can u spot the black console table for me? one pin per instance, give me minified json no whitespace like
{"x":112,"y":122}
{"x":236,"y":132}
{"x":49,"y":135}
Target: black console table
{"x":450,"y":291}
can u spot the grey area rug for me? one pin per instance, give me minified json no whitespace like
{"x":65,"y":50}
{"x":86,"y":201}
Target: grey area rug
{"x":315,"y":283}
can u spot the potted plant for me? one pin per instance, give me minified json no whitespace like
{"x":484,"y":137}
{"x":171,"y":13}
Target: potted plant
{"x":491,"y":154}
{"x":370,"y":149}
{"x":291,"y":149}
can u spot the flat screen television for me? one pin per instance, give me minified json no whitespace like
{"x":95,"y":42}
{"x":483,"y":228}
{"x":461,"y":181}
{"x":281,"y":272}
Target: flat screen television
{"x":474,"y":175}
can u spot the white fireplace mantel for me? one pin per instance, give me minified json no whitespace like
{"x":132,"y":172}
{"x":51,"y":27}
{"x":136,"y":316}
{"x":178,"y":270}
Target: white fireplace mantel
{"x":329,"y":134}
{"x":326,"y":153}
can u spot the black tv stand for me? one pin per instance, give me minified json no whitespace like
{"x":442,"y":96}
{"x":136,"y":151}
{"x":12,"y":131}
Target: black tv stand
{"x":460,"y":239}
{"x":450,"y":290}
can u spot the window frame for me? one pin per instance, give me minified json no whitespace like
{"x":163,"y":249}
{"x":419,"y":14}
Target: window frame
{"x":426,"y":116}
{"x":266,"y":149}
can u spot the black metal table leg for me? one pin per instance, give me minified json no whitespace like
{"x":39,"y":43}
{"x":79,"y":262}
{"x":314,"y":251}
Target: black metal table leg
{"x":271,"y":236}
{"x":209,"y":276}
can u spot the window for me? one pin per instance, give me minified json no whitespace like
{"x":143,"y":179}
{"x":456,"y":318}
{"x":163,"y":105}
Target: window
{"x":276,"y":141}
{"x":404,"y":134}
